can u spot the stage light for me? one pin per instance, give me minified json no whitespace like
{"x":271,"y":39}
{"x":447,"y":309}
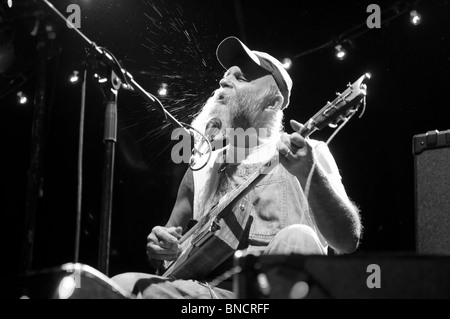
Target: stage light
{"x":21,"y":98}
{"x":341,"y":53}
{"x":74,"y":78}
{"x":287,"y":63}
{"x":299,"y":290}
{"x":66,"y":287}
{"x":415,"y":18}
{"x":163,"y":90}
{"x":10,"y":3}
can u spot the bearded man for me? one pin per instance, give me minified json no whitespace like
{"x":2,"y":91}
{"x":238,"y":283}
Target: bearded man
{"x":298,"y":206}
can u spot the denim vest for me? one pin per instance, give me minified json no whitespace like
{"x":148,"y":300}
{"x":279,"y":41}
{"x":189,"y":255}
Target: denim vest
{"x":275,"y":202}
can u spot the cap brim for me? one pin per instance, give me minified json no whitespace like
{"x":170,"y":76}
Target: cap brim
{"x":232,"y":52}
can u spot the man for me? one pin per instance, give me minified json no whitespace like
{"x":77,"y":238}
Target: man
{"x":298,"y":206}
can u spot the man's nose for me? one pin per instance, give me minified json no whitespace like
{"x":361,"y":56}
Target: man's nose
{"x":225,"y":83}
{"x":230,"y":75}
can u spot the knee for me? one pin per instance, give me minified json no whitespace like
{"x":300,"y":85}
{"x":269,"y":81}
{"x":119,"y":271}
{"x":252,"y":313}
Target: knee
{"x":127,"y":281}
{"x":297,"y":232}
{"x":297,"y":239}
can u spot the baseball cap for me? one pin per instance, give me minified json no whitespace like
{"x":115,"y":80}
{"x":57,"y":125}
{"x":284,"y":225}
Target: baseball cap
{"x":231,"y":51}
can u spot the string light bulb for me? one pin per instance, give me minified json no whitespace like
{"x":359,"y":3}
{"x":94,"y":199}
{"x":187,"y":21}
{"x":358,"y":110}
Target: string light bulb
{"x":163,"y":90}
{"x":287,"y":63}
{"x":21,"y":98}
{"x":74,"y":78}
{"x":341,"y":53}
{"x":415,"y":17}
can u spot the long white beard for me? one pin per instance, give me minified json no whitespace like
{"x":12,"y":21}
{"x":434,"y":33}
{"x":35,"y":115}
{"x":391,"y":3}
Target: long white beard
{"x":239,"y":111}
{"x":211,"y":109}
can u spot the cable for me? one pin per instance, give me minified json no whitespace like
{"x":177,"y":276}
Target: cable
{"x":358,"y":30}
{"x":308,"y":180}
{"x":323,"y":46}
{"x":80,"y":167}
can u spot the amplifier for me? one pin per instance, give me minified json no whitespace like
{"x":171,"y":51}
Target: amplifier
{"x":432,"y":192}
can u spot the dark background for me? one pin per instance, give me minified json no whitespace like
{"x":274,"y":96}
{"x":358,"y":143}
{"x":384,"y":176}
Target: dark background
{"x":174,"y":42}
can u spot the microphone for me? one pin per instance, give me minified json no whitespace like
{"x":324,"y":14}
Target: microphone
{"x":212,"y":129}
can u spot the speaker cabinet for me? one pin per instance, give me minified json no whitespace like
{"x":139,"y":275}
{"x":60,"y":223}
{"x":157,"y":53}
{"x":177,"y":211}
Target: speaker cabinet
{"x":342,"y":277}
{"x":432,"y":192}
{"x":70,"y":281}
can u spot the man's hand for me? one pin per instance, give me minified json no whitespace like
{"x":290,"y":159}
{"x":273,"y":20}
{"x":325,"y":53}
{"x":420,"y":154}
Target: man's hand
{"x":295,"y":153}
{"x":162,"y":243}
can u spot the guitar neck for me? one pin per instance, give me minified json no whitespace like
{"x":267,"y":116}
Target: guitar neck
{"x":344,"y":104}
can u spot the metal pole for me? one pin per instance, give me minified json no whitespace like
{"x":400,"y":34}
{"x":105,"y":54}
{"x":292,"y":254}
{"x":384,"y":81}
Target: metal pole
{"x":110,"y":139}
{"x":35,"y":189}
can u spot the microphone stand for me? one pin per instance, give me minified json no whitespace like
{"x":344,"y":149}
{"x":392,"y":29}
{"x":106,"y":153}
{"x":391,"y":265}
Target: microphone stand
{"x":110,"y":139}
{"x":45,"y":33}
{"x":118,"y":78}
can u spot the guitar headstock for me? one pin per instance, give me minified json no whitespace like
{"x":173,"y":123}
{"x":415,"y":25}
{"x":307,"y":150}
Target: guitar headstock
{"x":345,"y":105}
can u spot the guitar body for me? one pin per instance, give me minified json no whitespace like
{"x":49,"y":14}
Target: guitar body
{"x":212,"y":244}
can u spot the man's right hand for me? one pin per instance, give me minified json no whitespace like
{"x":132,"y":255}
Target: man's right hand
{"x":162,"y":243}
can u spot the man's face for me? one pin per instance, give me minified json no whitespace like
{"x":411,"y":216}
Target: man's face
{"x":240,"y":101}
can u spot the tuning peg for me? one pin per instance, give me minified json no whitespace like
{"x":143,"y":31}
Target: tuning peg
{"x":333,"y":125}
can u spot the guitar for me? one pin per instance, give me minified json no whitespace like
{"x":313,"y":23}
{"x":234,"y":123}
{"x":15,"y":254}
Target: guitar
{"x":216,"y":236}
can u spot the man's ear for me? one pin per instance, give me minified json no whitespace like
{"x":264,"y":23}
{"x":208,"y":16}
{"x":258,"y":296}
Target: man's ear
{"x":276,"y":103}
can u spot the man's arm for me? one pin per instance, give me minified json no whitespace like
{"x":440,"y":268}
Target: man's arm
{"x":183,"y":208}
{"x":336,"y":216}
{"x":162,"y":242}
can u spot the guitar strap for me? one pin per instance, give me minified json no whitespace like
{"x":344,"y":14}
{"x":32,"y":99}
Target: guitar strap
{"x":238,"y":193}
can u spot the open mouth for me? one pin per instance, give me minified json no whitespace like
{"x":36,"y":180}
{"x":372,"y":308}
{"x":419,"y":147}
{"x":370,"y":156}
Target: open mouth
{"x":221,"y":97}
